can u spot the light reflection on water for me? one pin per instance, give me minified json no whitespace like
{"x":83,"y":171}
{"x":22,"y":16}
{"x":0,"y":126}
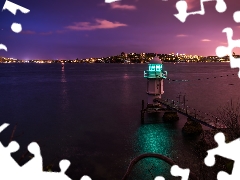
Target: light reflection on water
{"x":64,"y":93}
{"x":101,"y":103}
{"x":152,"y":138}
{"x":126,"y":86}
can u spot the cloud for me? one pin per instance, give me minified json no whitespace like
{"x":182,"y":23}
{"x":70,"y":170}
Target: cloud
{"x":60,"y":31}
{"x":33,"y":32}
{"x":205,"y":40}
{"x":117,"y":5}
{"x":100,"y":24}
{"x":192,"y":4}
{"x":46,"y":33}
{"x":102,"y":4}
{"x":181,"y":35}
{"x":28,"y":32}
{"x":224,"y":43}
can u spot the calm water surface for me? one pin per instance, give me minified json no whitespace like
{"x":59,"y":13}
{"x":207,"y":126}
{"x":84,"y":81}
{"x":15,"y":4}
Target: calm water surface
{"x":90,"y":113}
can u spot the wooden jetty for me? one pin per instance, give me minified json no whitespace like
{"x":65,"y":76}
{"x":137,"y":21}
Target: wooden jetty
{"x":174,"y":107}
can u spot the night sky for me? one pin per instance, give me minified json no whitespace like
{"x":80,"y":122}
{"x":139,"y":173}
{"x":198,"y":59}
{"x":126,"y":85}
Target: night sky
{"x":70,"y":29}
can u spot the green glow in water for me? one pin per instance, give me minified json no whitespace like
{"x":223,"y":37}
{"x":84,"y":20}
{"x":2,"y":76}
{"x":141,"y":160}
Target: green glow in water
{"x":152,"y":138}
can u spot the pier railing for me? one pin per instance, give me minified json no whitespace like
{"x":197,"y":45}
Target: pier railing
{"x":191,"y":113}
{"x":155,"y":74}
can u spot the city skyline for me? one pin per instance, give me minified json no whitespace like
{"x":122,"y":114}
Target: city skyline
{"x":70,"y":30}
{"x":127,"y":58}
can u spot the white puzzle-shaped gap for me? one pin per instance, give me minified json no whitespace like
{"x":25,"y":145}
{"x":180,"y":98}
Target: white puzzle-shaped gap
{"x":33,"y":169}
{"x":16,"y":27}
{"x":228,"y":150}
{"x":159,"y":178}
{"x":111,"y":1}
{"x":182,"y":9}
{"x":223,"y":50}
{"x":12,"y":7}
{"x":177,"y":172}
{"x":236,"y":16}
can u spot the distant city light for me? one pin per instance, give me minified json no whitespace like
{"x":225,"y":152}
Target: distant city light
{"x":128,"y":58}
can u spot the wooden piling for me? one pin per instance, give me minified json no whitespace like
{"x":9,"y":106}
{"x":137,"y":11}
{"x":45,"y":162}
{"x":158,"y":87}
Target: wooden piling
{"x":184,"y":101}
{"x":142,"y":112}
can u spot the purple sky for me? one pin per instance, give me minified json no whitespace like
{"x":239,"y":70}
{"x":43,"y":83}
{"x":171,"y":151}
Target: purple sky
{"x":70,"y":29}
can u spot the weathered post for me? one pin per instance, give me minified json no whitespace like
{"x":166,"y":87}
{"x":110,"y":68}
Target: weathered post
{"x":142,"y":112}
{"x":216,"y":122}
{"x":184,"y":100}
{"x":179,"y":98}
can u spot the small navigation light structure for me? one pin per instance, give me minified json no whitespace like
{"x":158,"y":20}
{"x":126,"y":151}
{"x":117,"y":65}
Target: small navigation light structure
{"x":155,"y":76}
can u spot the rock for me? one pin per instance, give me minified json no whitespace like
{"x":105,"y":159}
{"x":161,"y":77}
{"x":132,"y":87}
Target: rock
{"x":170,"y":116}
{"x":192,"y":128}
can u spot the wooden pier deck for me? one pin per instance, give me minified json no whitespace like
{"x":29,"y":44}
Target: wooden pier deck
{"x":171,"y":105}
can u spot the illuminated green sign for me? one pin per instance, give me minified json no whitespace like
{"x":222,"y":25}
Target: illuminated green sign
{"x":155,"y":71}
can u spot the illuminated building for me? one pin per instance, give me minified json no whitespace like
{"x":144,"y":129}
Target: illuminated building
{"x":155,"y":76}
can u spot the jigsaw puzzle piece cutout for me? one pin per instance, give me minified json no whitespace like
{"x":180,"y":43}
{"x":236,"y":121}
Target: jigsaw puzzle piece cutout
{"x":35,"y":165}
{"x":5,"y":125}
{"x":236,"y":16}
{"x":221,"y":6}
{"x":16,"y":27}
{"x":159,"y":178}
{"x":228,"y":150}
{"x":13,"y":147}
{"x":182,"y":6}
{"x":223,"y":176}
{"x":111,"y":1}
{"x":40,"y":174}
{"x":64,"y":164}
{"x":88,"y":178}
{"x":33,"y":169}
{"x":210,"y":159}
{"x":177,"y":171}
{"x":52,"y":176}
{"x":222,"y":51}
{"x":7,"y":163}
{"x":2,"y":46}
{"x":12,"y":7}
